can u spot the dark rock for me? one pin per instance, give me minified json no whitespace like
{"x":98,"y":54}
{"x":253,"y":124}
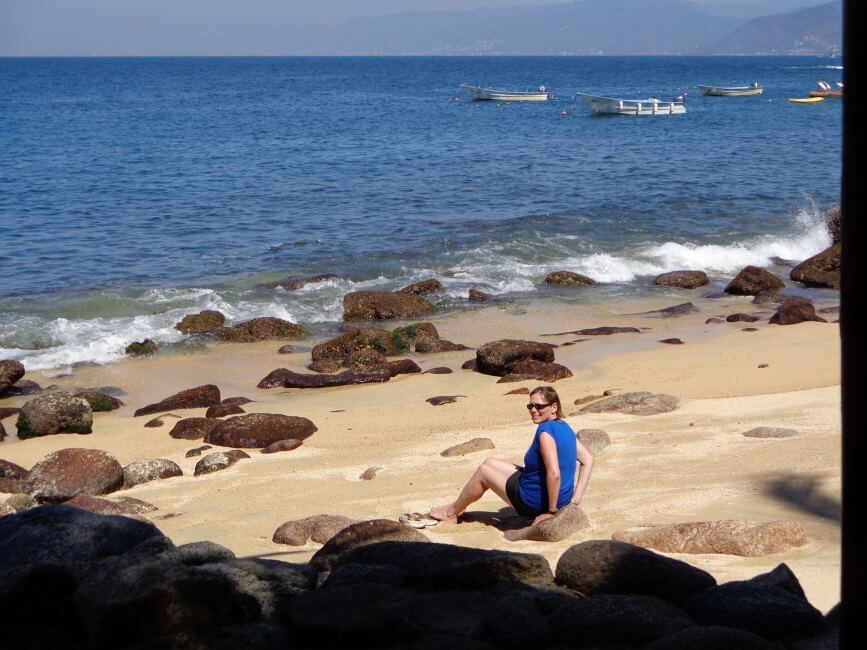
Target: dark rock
{"x":193,"y":428}
{"x":319,"y":528}
{"x":423,"y":287}
{"x":297,"y":282}
{"x":606,"y":331}
{"x":24,"y":387}
{"x":753,"y":279}
{"x":468,"y":447}
{"x":143,"y":471}
{"x":10,"y":372}
{"x":518,"y":391}
{"x":60,"y":534}
{"x":795,"y":310}
{"x":767,"y":610}
{"x":260,"y":329}
{"x":198,"y":397}
{"x":381,"y":305}
{"x":403,"y":367}
{"x":68,"y":473}
{"x":783,"y":577}
{"x":10,"y":486}
{"x":282,"y":445}
{"x":286,"y":349}
{"x":57,"y":412}
{"x":141,"y":348}
{"x":8,"y":411}
{"x":618,"y":620}
{"x":469,"y":364}
{"x":281,"y":377}
{"x":527,"y":369}
{"x":222,"y":410}
{"x":711,"y":637}
{"x":674,"y":341}
{"x":439,"y":370}
{"x":638,"y":403}
{"x":219,"y":460}
{"x":568,"y":279}
{"x":673,"y":311}
{"x":197,"y":451}
{"x":239,"y":401}
{"x":205,"y":321}
{"x":369,"y":474}
{"x":361,"y":534}
{"x":682,"y":279}
{"x":475,"y":295}
{"x":713,"y":320}
{"x":324,"y":365}
{"x":426,"y":346}
{"x":259,"y":430}
{"x":769,"y":297}
{"x":362,"y":338}
{"x":408,"y":337}
{"x":498,"y":357}
{"x":155,"y":423}
{"x":437,"y":566}
{"x":741,"y":318}
{"x":612,"y":567}
{"x":770,"y":432}
{"x":98,"y":401}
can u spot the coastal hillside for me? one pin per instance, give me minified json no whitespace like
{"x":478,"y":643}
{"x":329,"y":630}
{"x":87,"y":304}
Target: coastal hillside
{"x":586,"y":27}
{"x":815,"y":30}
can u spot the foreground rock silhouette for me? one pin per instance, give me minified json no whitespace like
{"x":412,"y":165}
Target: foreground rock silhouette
{"x":70,"y":578}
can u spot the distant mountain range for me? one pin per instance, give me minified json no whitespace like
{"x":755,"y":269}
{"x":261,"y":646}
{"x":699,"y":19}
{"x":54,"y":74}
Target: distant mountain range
{"x":609,"y":27}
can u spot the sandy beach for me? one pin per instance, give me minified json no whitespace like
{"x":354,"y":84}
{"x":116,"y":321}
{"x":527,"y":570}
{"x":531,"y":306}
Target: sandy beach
{"x":690,"y":464}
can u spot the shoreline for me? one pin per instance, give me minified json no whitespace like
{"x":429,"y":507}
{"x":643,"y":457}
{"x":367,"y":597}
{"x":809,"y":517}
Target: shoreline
{"x":690,"y":464}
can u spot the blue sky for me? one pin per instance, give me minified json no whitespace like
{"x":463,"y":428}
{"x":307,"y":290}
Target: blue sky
{"x":230,"y":27}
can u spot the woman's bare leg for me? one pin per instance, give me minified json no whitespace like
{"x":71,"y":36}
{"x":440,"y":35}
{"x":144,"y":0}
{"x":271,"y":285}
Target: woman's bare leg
{"x":492,"y":474}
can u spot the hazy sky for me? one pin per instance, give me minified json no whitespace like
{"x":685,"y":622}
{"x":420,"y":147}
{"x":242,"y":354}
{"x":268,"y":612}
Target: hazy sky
{"x":152,"y":27}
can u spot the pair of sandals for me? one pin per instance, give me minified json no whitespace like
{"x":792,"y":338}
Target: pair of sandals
{"x":418,"y":520}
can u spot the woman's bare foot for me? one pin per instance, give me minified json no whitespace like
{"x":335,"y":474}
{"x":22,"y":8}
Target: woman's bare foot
{"x":443,"y":513}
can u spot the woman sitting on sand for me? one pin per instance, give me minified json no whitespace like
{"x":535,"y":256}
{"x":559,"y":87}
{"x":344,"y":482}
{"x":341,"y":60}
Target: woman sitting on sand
{"x":546,"y":482}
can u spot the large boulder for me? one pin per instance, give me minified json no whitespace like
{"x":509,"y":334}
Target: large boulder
{"x":729,"y":537}
{"x":636,"y":403}
{"x":530,"y":369}
{"x":821,"y":270}
{"x":193,"y":428}
{"x":63,"y":534}
{"x":318,"y":528}
{"x":11,"y":470}
{"x":360,"y":534}
{"x":408,"y":337}
{"x":191,"y":398}
{"x":100,"y":401}
{"x":568,"y":520}
{"x":568,"y":279}
{"x":795,"y":310}
{"x":423,"y":287}
{"x":752,"y":280}
{"x":682,"y":279}
{"x":363,"y":338}
{"x":259,"y":430}
{"x":498,"y":357}
{"x":218,"y":461}
{"x":68,"y":473}
{"x":208,"y":320}
{"x":602,"y":566}
{"x":10,"y":372}
{"x":151,"y":469}
{"x":58,"y":412}
{"x":260,"y":329}
{"x":382,"y":305}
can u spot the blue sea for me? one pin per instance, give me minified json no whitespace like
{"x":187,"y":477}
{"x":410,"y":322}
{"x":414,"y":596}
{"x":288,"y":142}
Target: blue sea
{"x":136,"y":190}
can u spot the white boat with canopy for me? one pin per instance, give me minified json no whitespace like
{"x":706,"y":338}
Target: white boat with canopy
{"x":477,"y":93}
{"x":650,"y":106}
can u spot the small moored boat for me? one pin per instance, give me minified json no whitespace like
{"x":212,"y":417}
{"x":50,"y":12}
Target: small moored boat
{"x":731,"y":91}
{"x":806,"y":100}
{"x":825,"y":90}
{"x":477,"y":93}
{"x":651,"y":106}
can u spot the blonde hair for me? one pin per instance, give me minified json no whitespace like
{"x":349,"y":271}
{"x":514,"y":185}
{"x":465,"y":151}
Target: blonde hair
{"x":550,"y":396}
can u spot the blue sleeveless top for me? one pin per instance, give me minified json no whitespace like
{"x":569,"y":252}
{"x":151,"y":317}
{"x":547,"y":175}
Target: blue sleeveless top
{"x":534,"y":490}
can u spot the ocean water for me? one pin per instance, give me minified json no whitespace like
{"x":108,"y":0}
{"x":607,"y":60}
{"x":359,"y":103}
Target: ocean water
{"x":134,"y":191}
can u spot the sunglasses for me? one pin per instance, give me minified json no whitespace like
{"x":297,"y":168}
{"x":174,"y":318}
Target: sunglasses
{"x":538,"y":407}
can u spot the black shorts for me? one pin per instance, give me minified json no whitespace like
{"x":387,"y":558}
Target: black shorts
{"x":513,"y":491}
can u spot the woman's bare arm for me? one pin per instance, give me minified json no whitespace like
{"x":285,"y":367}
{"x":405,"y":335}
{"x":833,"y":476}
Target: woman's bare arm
{"x":585,"y":466}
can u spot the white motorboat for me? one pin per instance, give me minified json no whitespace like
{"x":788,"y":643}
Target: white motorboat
{"x":478,"y":93}
{"x":731,"y":91}
{"x":650,"y":106}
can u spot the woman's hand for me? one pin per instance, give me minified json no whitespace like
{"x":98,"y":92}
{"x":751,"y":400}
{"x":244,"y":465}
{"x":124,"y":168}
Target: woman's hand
{"x":545,"y":516}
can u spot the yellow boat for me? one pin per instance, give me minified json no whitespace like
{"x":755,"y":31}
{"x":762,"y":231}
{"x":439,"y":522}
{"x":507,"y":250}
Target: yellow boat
{"x":806,"y":100}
